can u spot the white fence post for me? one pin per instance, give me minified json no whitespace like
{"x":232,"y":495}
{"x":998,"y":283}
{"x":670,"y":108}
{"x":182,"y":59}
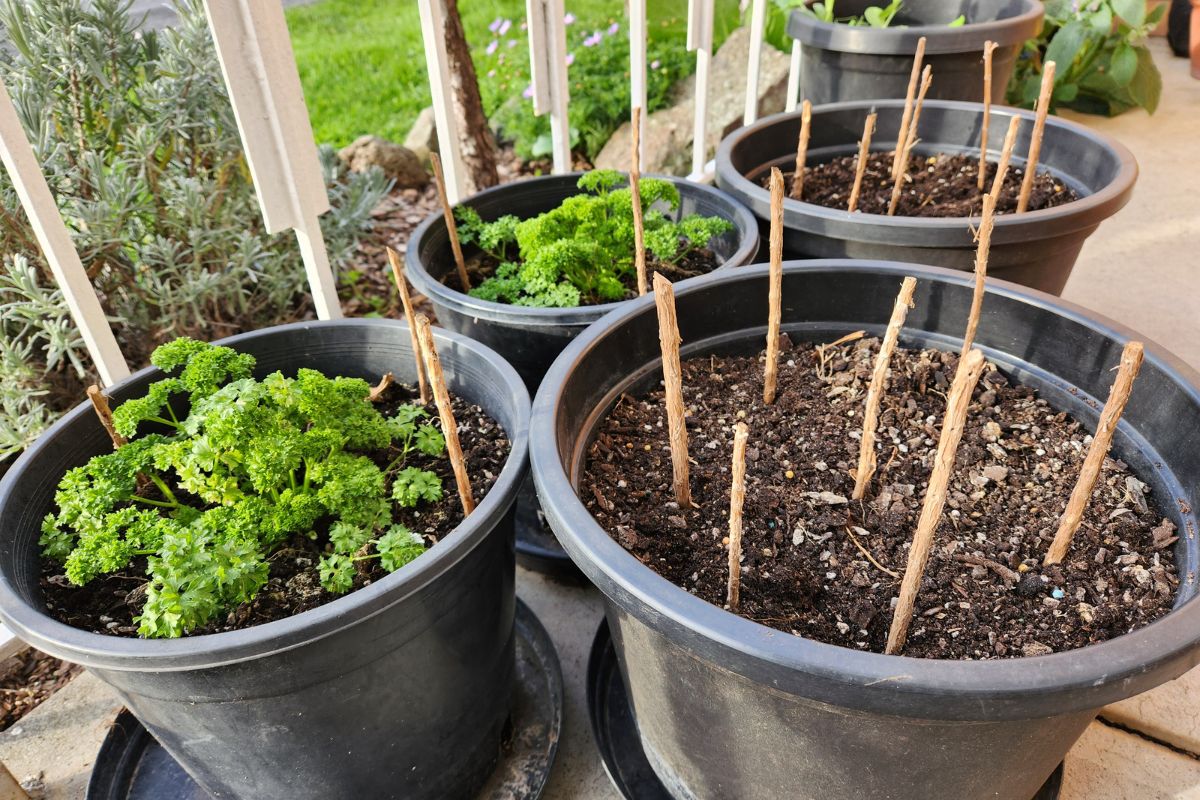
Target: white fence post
{"x":637,"y":69}
{"x":758,"y":22}
{"x":55,"y":240}
{"x":546,"y":20}
{"x":793,"y":87}
{"x":700,"y":39}
{"x":433,"y":32}
{"x":256,"y":57}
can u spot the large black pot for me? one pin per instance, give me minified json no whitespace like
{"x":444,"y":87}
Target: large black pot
{"x":1037,"y":248}
{"x":531,"y":338}
{"x":728,"y":708}
{"x":400,"y":689}
{"x":842,"y":62}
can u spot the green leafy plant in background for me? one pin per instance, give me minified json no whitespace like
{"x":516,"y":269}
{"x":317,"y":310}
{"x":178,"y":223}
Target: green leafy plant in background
{"x":1102,"y":63}
{"x":872,"y":16}
{"x":582,"y":251}
{"x":137,"y":139}
{"x":251,"y":464}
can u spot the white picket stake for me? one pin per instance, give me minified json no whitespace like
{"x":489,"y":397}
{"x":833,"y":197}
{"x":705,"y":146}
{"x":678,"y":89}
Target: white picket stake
{"x":433,"y":32}
{"x":793,"y":87}
{"x":55,"y":241}
{"x":548,"y":71}
{"x":637,"y":67}
{"x":255,"y":52}
{"x":758,"y":24}
{"x":700,"y":39}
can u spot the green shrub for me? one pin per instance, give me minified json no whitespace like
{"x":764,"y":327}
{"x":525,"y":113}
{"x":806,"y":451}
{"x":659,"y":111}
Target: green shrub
{"x":137,"y":139}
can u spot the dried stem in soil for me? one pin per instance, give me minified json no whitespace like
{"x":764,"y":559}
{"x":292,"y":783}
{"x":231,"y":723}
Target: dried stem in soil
{"x":433,"y":366}
{"x":1035,"y":141}
{"x":775,"y":292}
{"x":668,"y":338}
{"x":737,"y":498}
{"x":451,"y":226}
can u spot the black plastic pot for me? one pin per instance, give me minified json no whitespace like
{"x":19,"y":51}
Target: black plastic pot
{"x":531,"y":338}
{"x":841,"y":62}
{"x":400,"y":689}
{"x":1037,"y":249}
{"x":729,"y":708}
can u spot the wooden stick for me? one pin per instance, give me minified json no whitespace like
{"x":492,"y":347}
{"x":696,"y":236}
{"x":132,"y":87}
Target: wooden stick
{"x":908,"y":106}
{"x":406,"y":301}
{"x":635,"y":190}
{"x":1118,"y":396}
{"x":802,"y":150}
{"x":433,"y":367}
{"x":860,"y":169}
{"x":737,"y":497}
{"x":775,"y":291}
{"x":668,"y":339}
{"x":910,"y":141}
{"x":982,"y":251}
{"x":1035,"y":141}
{"x":451,"y":226}
{"x":935,"y":496}
{"x":988,"y":48}
{"x":866,"y":450}
{"x":378,"y":389}
{"x":1010,"y":140}
{"x":100,"y":404}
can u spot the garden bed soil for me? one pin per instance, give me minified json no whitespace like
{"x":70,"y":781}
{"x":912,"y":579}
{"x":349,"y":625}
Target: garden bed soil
{"x":109,"y":603}
{"x":939,"y":186}
{"x":820,"y":566}
{"x":27,"y":680}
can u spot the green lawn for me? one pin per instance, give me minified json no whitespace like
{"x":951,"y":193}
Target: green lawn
{"x":363,"y":67}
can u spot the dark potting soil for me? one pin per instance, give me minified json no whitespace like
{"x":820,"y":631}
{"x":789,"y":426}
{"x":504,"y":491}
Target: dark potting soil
{"x":827,"y":568}
{"x":110,"y":603}
{"x":701,"y":261}
{"x":938,"y":186}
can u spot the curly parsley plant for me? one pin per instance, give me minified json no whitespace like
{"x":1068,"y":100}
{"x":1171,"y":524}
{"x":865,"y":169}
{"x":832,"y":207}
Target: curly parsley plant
{"x":582,"y":251}
{"x":253,"y":463}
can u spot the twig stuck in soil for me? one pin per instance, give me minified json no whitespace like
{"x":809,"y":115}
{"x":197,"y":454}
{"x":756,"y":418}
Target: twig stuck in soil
{"x":737,"y":497}
{"x":433,"y":366}
{"x":406,"y":301}
{"x":902,"y":134}
{"x":1035,"y":141}
{"x":378,"y":389}
{"x":1004,"y":572}
{"x":451,"y":226}
{"x":970,"y":368}
{"x":988,"y":48}
{"x":1010,"y":140}
{"x":635,"y":190}
{"x":802,"y":150}
{"x":1118,"y":396}
{"x":866,"y":450}
{"x":981,"y":260}
{"x":867,"y":553}
{"x":910,"y":141}
{"x":775,"y":291}
{"x":668,"y":339}
{"x":860,"y":167}
{"x":100,"y":404}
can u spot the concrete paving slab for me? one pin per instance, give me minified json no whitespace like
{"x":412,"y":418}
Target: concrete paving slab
{"x":1111,"y":764}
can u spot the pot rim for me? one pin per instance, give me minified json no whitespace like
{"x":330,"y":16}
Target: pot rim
{"x":1086,"y":212}
{"x":1018,"y":688}
{"x":207,"y":651}
{"x":939,"y":39}
{"x":527,"y":316}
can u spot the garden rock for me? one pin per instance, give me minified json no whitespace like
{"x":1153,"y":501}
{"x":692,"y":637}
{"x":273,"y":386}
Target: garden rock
{"x":422,"y":136}
{"x":397,"y":162}
{"x":667,"y":145}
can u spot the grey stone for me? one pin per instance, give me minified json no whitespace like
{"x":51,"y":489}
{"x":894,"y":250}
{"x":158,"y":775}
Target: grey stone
{"x":397,"y":162}
{"x":422,"y":136}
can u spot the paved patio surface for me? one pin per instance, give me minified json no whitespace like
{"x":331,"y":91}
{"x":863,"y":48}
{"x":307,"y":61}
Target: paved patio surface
{"x":1138,"y":269}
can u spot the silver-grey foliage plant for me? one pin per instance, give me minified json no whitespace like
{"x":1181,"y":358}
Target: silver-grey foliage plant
{"x":137,"y":139}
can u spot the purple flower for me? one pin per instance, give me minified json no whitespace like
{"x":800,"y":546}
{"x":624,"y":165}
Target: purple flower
{"x":511,"y":43}
{"x":570,"y":59}
{"x":491,"y":73}
{"x":655,"y":64}
{"x":612,"y":29}
{"x":569,"y":19}
{"x":528,"y":93}
{"x":495,"y":26}
{"x":492,"y":45}
{"x":504,"y":27}
{"x":593,"y":40}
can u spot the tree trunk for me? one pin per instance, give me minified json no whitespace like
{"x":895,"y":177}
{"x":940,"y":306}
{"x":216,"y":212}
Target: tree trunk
{"x":477,"y":147}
